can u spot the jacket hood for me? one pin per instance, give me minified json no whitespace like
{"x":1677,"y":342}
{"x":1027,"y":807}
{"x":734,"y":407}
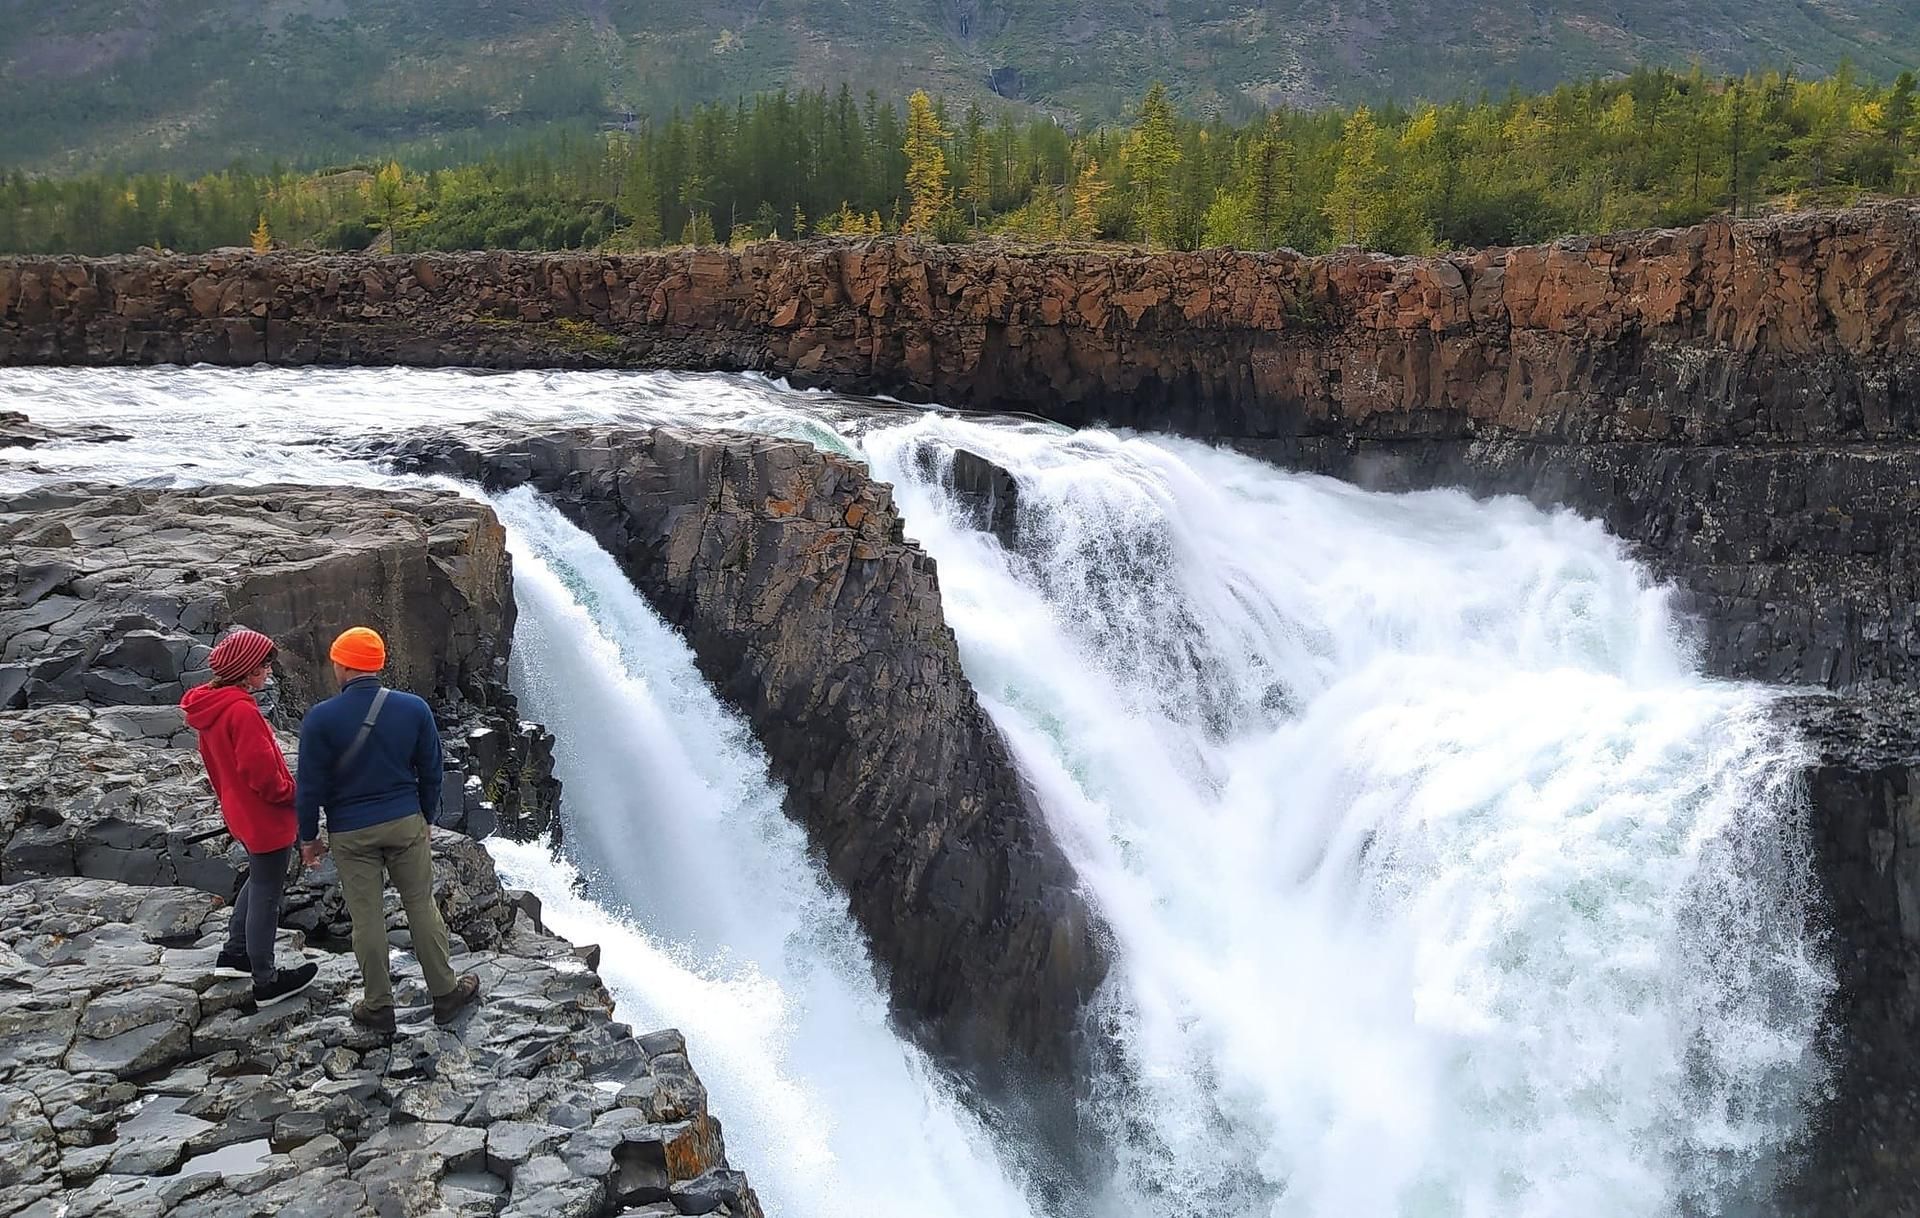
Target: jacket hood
{"x":206,"y":705}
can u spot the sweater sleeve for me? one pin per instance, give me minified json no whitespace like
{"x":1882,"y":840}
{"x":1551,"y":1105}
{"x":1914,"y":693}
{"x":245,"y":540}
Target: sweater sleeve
{"x":257,"y":758}
{"x":429,"y":768}
{"x":314,"y":779}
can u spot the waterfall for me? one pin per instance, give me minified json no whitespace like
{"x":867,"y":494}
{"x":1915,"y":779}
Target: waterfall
{"x":1440,"y":882}
{"x":711,"y":915}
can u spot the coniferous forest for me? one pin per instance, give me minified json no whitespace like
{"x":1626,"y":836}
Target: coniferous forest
{"x":1652,"y":148}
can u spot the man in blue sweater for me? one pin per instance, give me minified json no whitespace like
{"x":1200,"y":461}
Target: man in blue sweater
{"x":370,"y":756}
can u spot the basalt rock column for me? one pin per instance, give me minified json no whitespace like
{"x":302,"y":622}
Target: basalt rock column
{"x":805,"y":606}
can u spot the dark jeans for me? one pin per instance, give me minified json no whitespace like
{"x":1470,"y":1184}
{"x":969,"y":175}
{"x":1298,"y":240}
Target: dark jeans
{"x":256,"y":911}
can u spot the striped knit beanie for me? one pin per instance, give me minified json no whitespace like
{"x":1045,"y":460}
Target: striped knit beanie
{"x":239,"y":654}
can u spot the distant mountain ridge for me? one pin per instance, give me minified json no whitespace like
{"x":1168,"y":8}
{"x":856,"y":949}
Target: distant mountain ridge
{"x":194,"y":83}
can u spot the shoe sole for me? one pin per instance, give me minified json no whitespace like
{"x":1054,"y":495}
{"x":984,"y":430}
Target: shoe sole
{"x":221,"y":970}
{"x":277,"y":998}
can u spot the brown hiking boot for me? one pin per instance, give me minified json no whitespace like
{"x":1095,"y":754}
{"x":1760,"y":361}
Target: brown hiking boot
{"x":379,"y":1019}
{"x":450,"y":1004}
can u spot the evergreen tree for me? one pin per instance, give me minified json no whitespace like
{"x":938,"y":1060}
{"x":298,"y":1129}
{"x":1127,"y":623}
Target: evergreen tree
{"x":1084,"y":222}
{"x":1152,"y":155}
{"x":393,"y":197}
{"x":640,"y":202}
{"x":926,"y":166}
{"x":1354,"y":205}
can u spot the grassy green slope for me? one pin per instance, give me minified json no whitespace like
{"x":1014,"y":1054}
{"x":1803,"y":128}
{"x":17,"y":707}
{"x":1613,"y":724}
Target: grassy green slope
{"x":194,"y":83}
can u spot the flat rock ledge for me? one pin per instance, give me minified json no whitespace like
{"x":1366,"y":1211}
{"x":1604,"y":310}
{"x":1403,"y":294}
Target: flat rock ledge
{"x":135,"y":1083}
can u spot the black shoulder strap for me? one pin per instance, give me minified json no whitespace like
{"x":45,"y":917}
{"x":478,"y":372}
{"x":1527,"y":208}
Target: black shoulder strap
{"x":366,"y":729}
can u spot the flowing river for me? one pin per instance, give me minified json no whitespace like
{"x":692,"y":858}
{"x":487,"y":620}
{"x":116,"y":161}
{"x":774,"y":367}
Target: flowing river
{"x":1440,"y":882}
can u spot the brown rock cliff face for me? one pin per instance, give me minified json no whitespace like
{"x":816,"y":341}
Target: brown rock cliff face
{"x":1637,"y":336}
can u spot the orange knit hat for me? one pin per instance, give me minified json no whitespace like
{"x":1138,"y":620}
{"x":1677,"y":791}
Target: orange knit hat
{"x":359,"y":649}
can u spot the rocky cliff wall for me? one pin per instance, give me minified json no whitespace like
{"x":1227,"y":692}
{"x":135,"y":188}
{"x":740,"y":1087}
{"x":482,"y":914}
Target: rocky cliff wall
{"x":1863,"y":786}
{"x":787,"y":570}
{"x":1593,"y":372}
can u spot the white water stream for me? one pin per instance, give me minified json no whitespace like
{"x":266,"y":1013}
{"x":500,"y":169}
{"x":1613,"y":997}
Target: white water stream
{"x":1440,"y":884}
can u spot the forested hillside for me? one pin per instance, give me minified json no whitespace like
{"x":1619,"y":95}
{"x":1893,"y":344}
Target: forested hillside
{"x":1653,"y":148}
{"x":192,"y":84}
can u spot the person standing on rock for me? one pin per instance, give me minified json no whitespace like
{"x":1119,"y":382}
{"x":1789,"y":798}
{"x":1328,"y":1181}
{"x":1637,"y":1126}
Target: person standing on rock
{"x":370,"y":758}
{"x":249,"y":777}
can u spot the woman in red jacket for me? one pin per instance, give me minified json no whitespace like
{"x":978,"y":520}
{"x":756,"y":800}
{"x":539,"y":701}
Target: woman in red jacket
{"x":249,"y":775}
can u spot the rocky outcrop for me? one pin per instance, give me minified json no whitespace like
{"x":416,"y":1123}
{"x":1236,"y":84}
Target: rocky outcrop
{"x":1863,"y":790}
{"x":788,"y":572}
{"x":17,"y":431}
{"x":133,"y":1081}
{"x":1668,"y":355}
{"x":114,"y":596}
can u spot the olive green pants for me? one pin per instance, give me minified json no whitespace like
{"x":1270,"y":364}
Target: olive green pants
{"x":365,"y":858}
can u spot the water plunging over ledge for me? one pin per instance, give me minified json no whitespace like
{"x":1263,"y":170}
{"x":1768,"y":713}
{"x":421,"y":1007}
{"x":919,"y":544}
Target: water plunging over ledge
{"x":1440,"y":883}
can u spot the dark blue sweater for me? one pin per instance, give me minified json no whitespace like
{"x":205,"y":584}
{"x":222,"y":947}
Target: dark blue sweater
{"x":396,"y":773}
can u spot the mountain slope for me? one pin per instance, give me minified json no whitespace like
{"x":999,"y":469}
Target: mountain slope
{"x":192,"y":83}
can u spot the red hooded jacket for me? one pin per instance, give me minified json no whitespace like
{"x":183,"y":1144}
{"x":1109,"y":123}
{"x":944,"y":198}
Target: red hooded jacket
{"x":245,"y":765}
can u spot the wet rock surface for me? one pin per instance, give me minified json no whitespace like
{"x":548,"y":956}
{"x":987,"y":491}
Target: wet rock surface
{"x":18,"y":431}
{"x":1863,"y":789}
{"x":789,"y":573}
{"x":134,"y":1081}
{"x":113,"y":597}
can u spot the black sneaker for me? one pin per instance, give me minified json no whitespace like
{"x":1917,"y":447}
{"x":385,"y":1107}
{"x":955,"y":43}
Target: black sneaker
{"x":285,"y":984}
{"x":232,"y":964}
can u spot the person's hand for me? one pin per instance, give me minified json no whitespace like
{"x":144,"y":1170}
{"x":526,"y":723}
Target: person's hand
{"x":312,"y":852}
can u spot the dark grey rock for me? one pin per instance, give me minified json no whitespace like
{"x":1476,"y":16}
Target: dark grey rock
{"x":707,"y":1193}
{"x":778,"y":563}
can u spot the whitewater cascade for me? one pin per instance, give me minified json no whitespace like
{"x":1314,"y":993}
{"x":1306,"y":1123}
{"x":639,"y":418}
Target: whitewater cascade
{"x":1440,"y":881}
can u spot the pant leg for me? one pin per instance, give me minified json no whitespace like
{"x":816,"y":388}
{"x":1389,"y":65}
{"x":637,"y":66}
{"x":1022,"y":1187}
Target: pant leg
{"x":237,"y":924}
{"x":411,"y":865}
{"x":358,"y":858}
{"x":266,"y":883}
